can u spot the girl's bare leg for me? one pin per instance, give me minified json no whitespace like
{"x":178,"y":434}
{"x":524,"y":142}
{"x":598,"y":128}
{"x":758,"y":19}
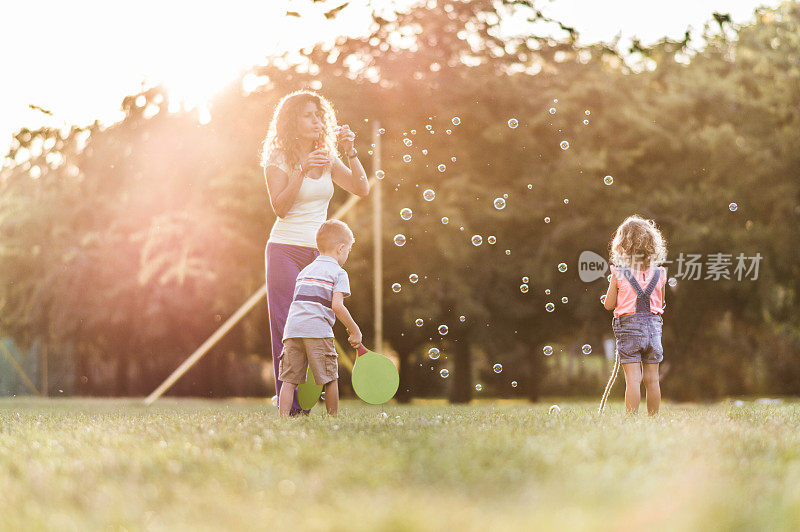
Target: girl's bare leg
{"x":652,"y":387}
{"x":633,"y":382}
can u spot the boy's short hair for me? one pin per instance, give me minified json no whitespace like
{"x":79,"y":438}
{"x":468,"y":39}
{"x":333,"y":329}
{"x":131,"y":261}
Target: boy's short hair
{"x":332,"y":233}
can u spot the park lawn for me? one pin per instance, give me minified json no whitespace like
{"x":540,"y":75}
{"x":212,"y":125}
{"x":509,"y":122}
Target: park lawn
{"x":77,"y":464}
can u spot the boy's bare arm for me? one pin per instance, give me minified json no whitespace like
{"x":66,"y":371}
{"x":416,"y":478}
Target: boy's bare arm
{"x":611,"y":294}
{"x":343,"y":315}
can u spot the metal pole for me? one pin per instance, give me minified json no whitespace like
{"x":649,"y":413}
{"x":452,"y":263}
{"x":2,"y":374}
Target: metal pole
{"x":208,"y":344}
{"x":376,"y":239}
{"x":44,"y":369}
{"x":19,"y":369}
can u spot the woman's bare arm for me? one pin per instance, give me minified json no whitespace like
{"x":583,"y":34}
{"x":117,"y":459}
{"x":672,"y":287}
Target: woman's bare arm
{"x":354,"y":179}
{"x":282,"y":188}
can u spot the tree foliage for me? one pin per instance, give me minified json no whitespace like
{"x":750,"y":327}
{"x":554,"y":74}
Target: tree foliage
{"x":136,"y":240}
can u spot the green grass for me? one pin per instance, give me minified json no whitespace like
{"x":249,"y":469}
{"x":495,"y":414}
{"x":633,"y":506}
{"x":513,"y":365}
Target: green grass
{"x":76,"y":464}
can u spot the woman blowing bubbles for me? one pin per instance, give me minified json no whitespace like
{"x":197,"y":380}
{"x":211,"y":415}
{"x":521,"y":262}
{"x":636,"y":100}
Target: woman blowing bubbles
{"x":301,"y":165}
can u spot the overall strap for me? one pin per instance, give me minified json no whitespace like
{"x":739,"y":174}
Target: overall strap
{"x":642,"y":296}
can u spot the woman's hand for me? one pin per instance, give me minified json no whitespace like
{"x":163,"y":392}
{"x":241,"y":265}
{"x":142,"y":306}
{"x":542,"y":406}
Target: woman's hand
{"x":346,"y":138}
{"x":318,"y":157}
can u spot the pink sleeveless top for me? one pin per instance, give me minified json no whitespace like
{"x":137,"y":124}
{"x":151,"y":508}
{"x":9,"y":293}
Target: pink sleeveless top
{"x":626,"y":295}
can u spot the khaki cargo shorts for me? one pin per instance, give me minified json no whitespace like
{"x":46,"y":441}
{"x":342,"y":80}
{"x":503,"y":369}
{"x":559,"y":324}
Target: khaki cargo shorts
{"x":300,"y":353}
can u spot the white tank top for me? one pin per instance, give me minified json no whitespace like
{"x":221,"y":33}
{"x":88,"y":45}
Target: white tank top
{"x":310,"y":209}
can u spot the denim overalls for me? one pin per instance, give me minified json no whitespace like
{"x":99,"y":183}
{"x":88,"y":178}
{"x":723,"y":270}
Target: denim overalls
{"x":639,"y":334}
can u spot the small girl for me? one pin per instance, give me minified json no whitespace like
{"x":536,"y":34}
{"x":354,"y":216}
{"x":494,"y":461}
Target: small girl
{"x":636,"y":294}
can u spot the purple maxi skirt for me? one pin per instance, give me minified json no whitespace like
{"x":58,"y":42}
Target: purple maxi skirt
{"x":283,"y":264}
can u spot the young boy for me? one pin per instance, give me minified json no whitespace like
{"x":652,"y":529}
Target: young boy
{"x":318,"y":300}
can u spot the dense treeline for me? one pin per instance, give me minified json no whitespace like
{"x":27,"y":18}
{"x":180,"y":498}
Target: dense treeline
{"x":127,"y":246}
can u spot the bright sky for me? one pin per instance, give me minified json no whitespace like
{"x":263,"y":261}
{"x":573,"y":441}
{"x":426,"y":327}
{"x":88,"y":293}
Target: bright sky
{"x":80,"y":58}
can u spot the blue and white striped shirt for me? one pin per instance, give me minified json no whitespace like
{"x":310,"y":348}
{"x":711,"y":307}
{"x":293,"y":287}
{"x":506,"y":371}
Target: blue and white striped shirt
{"x":311,"y":315}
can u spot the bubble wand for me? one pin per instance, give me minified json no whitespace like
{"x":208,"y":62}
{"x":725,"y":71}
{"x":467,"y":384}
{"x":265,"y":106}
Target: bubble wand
{"x":610,"y":382}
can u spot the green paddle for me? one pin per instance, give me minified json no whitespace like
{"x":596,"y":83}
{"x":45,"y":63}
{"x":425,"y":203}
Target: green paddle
{"x":308,"y":393}
{"x":375,"y":378}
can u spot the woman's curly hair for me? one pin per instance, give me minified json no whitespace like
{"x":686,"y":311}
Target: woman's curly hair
{"x":638,"y":243}
{"x":282,"y":133}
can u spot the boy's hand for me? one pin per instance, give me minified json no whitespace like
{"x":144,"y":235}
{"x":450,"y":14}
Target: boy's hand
{"x":355,"y":339}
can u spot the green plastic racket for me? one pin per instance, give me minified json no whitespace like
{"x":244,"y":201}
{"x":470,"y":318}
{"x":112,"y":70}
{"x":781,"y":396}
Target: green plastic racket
{"x":375,"y":378}
{"x":308,"y":393}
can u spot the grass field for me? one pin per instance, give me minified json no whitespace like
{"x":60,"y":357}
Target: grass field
{"x":77,"y":464}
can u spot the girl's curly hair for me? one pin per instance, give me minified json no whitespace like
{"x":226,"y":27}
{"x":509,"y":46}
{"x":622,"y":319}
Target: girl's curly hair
{"x":282,"y":133}
{"x":638,"y":243}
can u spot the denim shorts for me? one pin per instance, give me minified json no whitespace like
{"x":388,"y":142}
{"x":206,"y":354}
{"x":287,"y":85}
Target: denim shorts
{"x":639,"y":337}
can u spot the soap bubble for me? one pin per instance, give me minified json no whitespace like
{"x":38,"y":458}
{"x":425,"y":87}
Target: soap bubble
{"x":428,"y":127}
{"x":413,"y":277}
{"x":445,"y":220}
{"x":425,"y":152}
{"x":441,"y":168}
{"x":274,"y":400}
{"x":491,"y":239}
{"x":608,"y":180}
{"x":399,"y":240}
{"x":499,"y":204}
{"x":732,"y":206}
{"x":453,"y":159}
{"x":413,"y":131}
{"x":505,"y":196}
{"x":586,"y":349}
{"x":550,"y":307}
{"x":406,"y":213}
{"x":523,"y":288}
{"x":477,"y":240}
{"x":547,"y":350}
{"x":603,"y":299}
{"x":380,"y":174}
{"x":513,"y":123}
{"x":381,"y":131}
{"x":408,"y":142}
{"x":525,"y":279}
{"x":562,"y":267}
{"x":565,"y":299}
{"x":547,"y":219}
{"x":406,"y":158}
{"x":448,"y":131}
{"x":462,"y":319}
{"x":497,"y":368}
{"x":443,"y":329}
{"x":444,"y":373}
{"x":585,"y":122}
{"x":530,"y":186}
{"x":478,"y":387}
{"x":587,"y":113}
{"x":564,"y":145}
{"x":433,"y":353}
{"x":547,"y":291}
{"x":673,"y":282}
{"x":456,"y":120}
{"x":552,"y":110}
{"x":513,"y":384}
{"x":396,"y":287}
{"x":554,"y":409}
{"x":508,"y":252}
{"x":566,"y":201}
{"x":419,"y":322}
{"x":428,"y":195}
